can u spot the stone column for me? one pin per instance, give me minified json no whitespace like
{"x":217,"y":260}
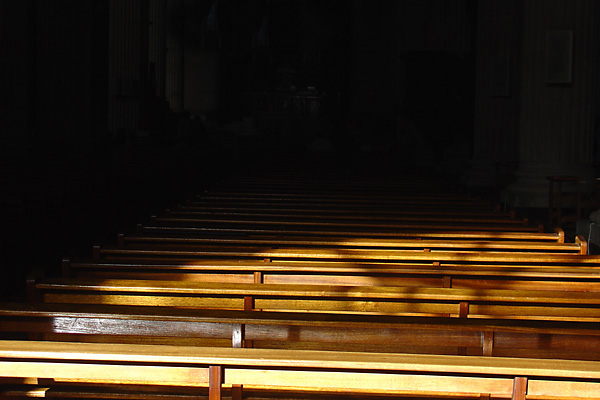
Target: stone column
{"x":126,"y":64}
{"x":556,"y":111}
{"x":497,"y":91}
{"x":157,"y":45}
{"x":175,"y":54}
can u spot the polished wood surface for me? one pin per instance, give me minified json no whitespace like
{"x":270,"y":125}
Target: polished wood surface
{"x":429,"y":231}
{"x":198,"y":251}
{"x":302,"y":289}
{"x":293,"y":330}
{"x":523,"y":276}
{"x":473,"y":303}
{"x":323,"y":371}
{"x":579,"y":247}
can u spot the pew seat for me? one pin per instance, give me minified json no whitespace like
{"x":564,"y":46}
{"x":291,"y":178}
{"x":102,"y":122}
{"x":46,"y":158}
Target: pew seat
{"x":401,"y":375}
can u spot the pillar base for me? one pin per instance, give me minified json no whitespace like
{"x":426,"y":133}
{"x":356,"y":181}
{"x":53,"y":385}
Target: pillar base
{"x":530,"y":189}
{"x":481,"y":174}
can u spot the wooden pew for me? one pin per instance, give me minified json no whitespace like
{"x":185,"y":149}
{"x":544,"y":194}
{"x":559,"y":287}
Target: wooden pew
{"x":490,"y":276}
{"x":563,"y":317}
{"x":315,"y":331}
{"x":414,"y":206}
{"x":368,"y":227}
{"x":397,"y":216}
{"x":339,"y":211}
{"x":350,"y":208}
{"x":401,"y":375}
{"x":401,"y":185}
{"x":180,"y":252}
{"x":362,"y":267}
{"x":374,"y":193}
{"x":461,"y":303}
{"x":429,"y":233}
{"x":344,"y":199}
{"x":479,"y":305}
{"x":343,"y":208}
{"x":375,"y":184}
{"x":454,"y":244}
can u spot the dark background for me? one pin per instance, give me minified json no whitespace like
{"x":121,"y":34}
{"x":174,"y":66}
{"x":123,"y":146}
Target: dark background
{"x":113,"y":110}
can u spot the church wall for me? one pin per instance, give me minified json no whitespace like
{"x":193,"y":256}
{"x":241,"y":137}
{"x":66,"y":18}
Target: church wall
{"x":174,"y":68}
{"x":557,"y":98}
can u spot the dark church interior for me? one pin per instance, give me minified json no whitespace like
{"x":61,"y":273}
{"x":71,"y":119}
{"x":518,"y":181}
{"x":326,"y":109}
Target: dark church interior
{"x":115,"y":111}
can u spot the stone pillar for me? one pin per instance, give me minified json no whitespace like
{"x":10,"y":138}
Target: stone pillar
{"x":556,"y":111}
{"x":175,"y":54}
{"x":497,"y":91}
{"x":157,"y":45}
{"x":126,"y":65}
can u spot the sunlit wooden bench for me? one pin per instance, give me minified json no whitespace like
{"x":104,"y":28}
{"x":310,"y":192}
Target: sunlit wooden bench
{"x":358,"y":267}
{"x":182,"y":252}
{"x":406,"y":184}
{"x":294,"y":330}
{"x":366,"y":227}
{"x":54,"y":364}
{"x":483,"y":276}
{"x":283,"y":232}
{"x":347,"y":199}
{"x":340,"y":211}
{"x":429,"y":214}
{"x":353,"y":208}
{"x":426,"y":244}
{"x":417,"y":301}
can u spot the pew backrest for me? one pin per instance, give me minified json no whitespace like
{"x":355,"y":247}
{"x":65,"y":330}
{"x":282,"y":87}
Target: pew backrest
{"x":182,"y":252}
{"x":578,"y":247}
{"x":426,"y":232}
{"x":482,"y":276}
{"x":418,"y":301}
{"x":261,"y":329}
